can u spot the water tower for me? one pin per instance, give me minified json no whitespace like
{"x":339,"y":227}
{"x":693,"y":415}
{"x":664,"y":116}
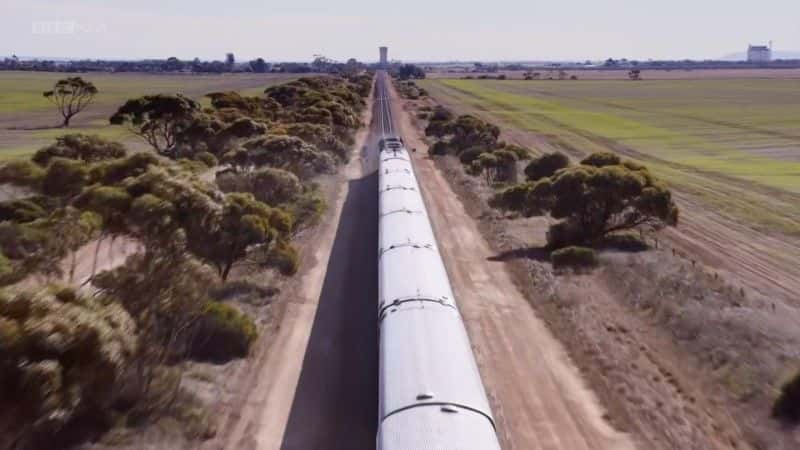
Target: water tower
{"x":384,"y":61}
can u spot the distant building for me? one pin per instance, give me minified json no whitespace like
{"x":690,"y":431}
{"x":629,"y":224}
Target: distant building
{"x":759,"y":54}
{"x":384,"y":56}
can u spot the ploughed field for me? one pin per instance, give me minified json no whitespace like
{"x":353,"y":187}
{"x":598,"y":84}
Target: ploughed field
{"x":729,"y":149}
{"x":733,"y":143}
{"x":28,"y":121}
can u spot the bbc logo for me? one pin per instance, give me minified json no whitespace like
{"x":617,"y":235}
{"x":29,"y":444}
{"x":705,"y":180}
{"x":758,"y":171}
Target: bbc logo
{"x":65,"y":27}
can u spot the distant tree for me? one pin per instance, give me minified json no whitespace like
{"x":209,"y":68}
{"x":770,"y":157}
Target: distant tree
{"x":71,"y":96}
{"x":635,"y":74}
{"x":410,"y":71}
{"x":259,"y":66}
{"x":230,"y":60}
{"x":173,"y":64}
{"x":158,"y":119}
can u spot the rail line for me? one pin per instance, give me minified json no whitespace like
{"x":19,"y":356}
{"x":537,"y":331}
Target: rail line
{"x":430,"y":391}
{"x":385,"y":109}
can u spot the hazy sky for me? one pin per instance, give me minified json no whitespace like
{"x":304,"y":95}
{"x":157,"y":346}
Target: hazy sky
{"x":413,"y":29}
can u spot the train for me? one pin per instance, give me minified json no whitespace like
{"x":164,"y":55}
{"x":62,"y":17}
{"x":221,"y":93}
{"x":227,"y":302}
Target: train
{"x":431,"y":396}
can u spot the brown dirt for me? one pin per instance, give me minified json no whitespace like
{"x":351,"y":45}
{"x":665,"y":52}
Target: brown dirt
{"x":537,"y":394}
{"x":660,"y":334}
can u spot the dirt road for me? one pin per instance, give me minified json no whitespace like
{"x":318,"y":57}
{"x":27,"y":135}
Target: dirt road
{"x":312,"y":383}
{"x":538,"y":397}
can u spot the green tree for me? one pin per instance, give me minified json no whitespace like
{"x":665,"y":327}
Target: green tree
{"x":593,"y":202}
{"x":546,"y":165}
{"x":259,"y":65}
{"x":158,"y":119}
{"x":62,"y":357}
{"x":243,"y":223}
{"x":269,"y":185}
{"x":83,"y":147}
{"x":71,"y":96}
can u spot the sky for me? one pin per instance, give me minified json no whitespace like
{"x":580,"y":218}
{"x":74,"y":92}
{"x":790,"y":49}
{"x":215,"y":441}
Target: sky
{"x":414,"y":30}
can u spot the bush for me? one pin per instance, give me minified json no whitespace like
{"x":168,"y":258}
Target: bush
{"x":61,"y":359}
{"x":222,"y":333}
{"x":602,"y":159}
{"x":471,"y":154}
{"x":21,"y":173}
{"x":578,"y":257}
{"x":207,"y":158}
{"x":87,"y":148}
{"x":439,"y":148}
{"x":787,"y":405}
{"x":21,"y":211}
{"x":283,"y":257}
{"x":546,"y":165}
{"x":562,"y":234}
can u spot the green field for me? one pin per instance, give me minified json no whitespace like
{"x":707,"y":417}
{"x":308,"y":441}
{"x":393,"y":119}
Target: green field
{"x":28,"y":121}
{"x":732,"y":143}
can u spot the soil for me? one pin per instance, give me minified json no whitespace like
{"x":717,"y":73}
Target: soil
{"x":672,"y":343}
{"x":538,"y":396}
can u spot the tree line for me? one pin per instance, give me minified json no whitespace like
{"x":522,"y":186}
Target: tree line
{"x":72,"y":360}
{"x":602,"y":195}
{"x":196,"y":65}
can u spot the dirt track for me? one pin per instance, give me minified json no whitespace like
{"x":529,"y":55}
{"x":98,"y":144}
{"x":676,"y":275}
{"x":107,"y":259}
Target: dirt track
{"x":312,"y":383}
{"x":538,"y":397}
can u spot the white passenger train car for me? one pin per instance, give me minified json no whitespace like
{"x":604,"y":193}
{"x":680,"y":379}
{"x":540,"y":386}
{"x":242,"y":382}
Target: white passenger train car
{"x":431,"y":394}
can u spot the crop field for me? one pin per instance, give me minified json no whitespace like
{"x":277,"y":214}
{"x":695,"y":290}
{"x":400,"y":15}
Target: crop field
{"x":29,"y":121}
{"x":734,"y":144}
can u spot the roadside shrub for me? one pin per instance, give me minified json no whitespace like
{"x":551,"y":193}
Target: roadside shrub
{"x":306,"y":209}
{"x":577,"y":257}
{"x":471,"y":154}
{"x":64,"y":178}
{"x":521,"y":152}
{"x":787,"y":405}
{"x":61,"y":358}
{"x":546,"y":165}
{"x":21,"y":211}
{"x":21,"y":173}
{"x":601,"y":159}
{"x":439,"y":148}
{"x":563,"y":234}
{"x":284,"y":258}
{"x":222,"y":333}
{"x":241,"y":289}
{"x":207,"y":158}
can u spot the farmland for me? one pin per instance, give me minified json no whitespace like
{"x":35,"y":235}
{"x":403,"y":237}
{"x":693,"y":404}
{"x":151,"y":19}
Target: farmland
{"x":28,"y":121}
{"x":726,"y":274}
{"x":734,"y":144}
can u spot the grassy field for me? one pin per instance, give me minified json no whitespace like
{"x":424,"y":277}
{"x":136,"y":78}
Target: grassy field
{"x":28,"y":121}
{"x":732,"y":143}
